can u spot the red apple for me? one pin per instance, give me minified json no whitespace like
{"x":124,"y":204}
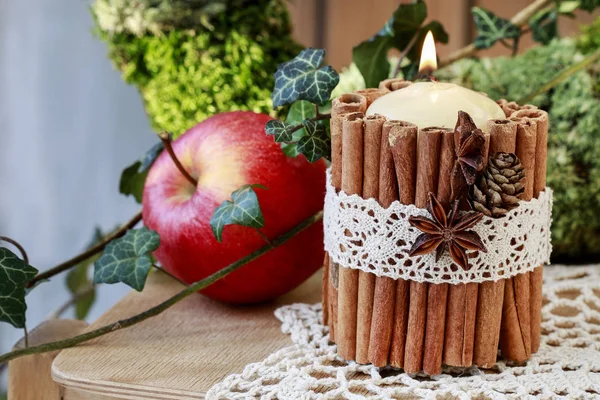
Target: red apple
{"x":225,"y":152}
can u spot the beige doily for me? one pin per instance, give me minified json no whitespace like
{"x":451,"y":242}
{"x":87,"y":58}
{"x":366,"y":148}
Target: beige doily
{"x":567,"y":365}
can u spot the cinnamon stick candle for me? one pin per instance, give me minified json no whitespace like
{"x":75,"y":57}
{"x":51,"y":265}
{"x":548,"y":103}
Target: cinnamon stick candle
{"x":394,"y":84}
{"x":352,"y":182}
{"x":398,"y":146}
{"x":438,"y":294}
{"x":347,"y":103}
{"x":373,"y":126}
{"x":540,"y":118}
{"x":428,"y":152}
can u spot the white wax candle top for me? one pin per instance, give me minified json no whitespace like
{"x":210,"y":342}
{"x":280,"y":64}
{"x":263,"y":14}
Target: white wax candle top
{"x":427,"y":104}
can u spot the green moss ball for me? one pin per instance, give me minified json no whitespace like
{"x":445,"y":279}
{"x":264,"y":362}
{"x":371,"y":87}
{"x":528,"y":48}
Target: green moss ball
{"x":190,"y":61}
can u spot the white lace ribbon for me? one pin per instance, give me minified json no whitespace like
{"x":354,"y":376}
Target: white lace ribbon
{"x":361,"y":234}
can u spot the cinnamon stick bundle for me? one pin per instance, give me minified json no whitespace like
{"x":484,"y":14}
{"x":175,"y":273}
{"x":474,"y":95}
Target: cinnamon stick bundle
{"x":398,"y":146}
{"x":352,"y":182}
{"x":438,"y":294}
{"x":347,"y":103}
{"x":393,"y":84}
{"x":428,"y":153}
{"x":366,"y":280}
{"x":536,"y":276}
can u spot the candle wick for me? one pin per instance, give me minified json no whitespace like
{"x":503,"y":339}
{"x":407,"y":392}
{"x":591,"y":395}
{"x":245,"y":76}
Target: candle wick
{"x":427,"y":77}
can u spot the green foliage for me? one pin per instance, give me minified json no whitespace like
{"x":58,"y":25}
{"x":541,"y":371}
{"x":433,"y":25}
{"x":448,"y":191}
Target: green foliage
{"x":14,"y":274}
{"x":243,"y":209}
{"x":574,"y":109}
{"x":303,"y":78}
{"x":155,"y":16}
{"x":281,"y":131}
{"x":371,"y":56}
{"x":186,"y":75}
{"x":316,"y":143}
{"x":127,"y":259}
{"x":133,"y":177}
{"x":491,"y":28}
{"x":544,"y":26}
{"x":78,"y":279}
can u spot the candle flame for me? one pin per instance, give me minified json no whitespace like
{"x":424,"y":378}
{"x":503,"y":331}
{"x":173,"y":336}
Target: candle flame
{"x":428,"y":62}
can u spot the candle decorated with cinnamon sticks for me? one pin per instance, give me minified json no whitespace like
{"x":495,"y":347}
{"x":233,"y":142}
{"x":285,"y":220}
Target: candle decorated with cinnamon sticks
{"x":430,"y":296}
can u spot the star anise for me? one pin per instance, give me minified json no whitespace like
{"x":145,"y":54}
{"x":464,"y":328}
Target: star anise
{"x":469,"y":155}
{"x":447,"y":232}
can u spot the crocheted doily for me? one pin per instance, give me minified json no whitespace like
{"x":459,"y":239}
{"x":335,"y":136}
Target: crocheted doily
{"x":567,"y":365}
{"x":363,"y":235}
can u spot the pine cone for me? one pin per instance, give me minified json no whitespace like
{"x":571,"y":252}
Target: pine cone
{"x":498,"y":189}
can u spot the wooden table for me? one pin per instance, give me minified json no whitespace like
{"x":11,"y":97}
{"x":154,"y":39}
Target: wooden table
{"x":179,"y":354}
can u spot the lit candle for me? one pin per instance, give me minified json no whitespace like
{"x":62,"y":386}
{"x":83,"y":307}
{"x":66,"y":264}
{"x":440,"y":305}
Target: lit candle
{"x":435,"y":103}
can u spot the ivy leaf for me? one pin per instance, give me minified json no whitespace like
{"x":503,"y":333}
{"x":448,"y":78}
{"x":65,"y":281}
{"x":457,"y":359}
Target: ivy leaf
{"x":567,"y":7}
{"x":78,"y":279}
{"x":290,"y":149}
{"x":491,"y":28}
{"x":302,"y":79}
{"x":316,"y":143}
{"x":370,"y":56}
{"x":544,"y":26}
{"x":301,"y":110}
{"x":282,"y":131}
{"x":134,"y":176}
{"x":243,"y":209}
{"x":127,"y":259}
{"x":589,"y":5}
{"x":14,"y":274}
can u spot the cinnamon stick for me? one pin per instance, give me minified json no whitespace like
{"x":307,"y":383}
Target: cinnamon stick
{"x":352,"y":182}
{"x":489,"y":304}
{"x":536,"y":276}
{"x":373,"y":126}
{"x":428,"y":153}
{"x":515,"y":337}
{"x":393,"y":84}
{"x":325,"y":290}
{"x":461,"y":313}
{"x":372,"y":94}
{"x":398,"y":146}
{"x":347,"y":103}
{"x":438,"y":294}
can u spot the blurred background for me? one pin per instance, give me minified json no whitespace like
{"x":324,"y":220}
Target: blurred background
{"x":69,"y":123}
{"x":338,"y":25}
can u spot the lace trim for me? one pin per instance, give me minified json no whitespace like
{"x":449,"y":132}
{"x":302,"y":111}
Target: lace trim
{"x":361,"y":234}
{"x":567,"y":365}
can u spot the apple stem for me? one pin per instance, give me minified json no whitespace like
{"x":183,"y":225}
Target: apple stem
{"x":165,"y":137}
{"x":159,"y":308}
{"x":265,"y":238}
{"x":88,"y":253}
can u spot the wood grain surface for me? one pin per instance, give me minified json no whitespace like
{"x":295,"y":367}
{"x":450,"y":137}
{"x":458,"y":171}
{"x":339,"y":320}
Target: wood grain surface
{"x":29,"y":377}
{"x":179,"y":354}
